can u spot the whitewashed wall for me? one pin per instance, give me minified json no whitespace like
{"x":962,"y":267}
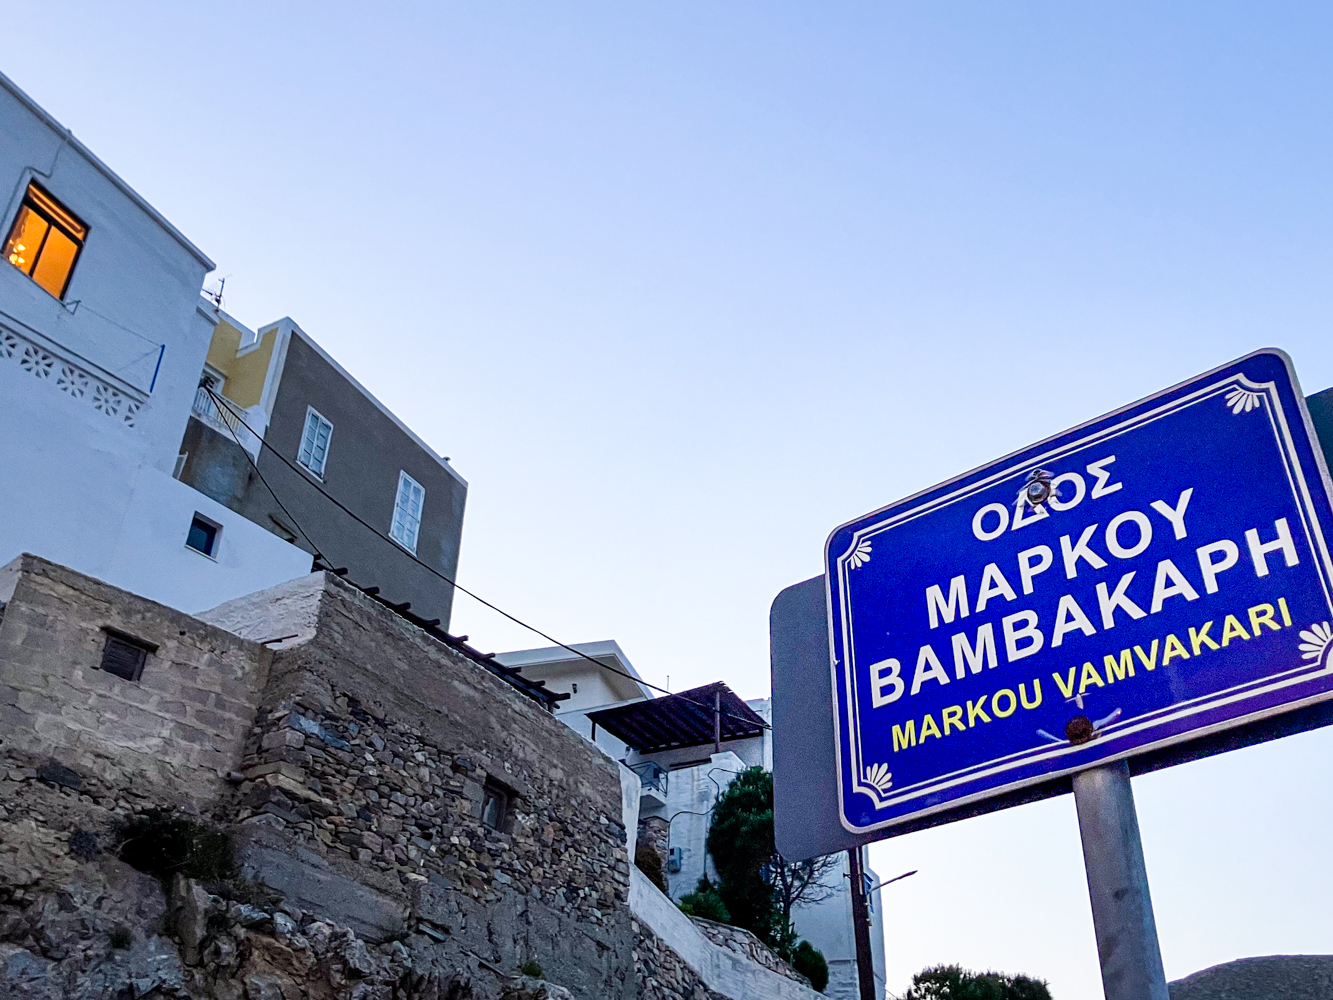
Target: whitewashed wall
{"x":828,"y":926}
{"x":722,"y":970}
{"x":88,"y":439}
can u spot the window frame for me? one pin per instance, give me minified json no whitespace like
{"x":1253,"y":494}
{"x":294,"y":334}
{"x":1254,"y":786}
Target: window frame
{"x":144,"y":648}
{"x":405,"y":480}
{"x":493,"y":791}
{"x":319,"y":473}
{"x":212,"y":552}
{"x":48,"y":215}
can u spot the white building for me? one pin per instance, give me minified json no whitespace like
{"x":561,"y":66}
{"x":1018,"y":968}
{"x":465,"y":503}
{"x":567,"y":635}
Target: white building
{"x":668,"y":742}
{"x":102,"y":342}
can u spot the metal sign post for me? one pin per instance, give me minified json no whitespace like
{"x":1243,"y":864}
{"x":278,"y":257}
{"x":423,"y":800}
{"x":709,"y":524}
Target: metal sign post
{"x":1118,"y":885}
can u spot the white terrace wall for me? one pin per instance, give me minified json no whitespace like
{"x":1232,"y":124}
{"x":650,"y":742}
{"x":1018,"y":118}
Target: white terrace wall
{"x":691,"y":956}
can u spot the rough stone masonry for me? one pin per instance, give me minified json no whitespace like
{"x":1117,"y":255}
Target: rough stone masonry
{"x":403,"y":824}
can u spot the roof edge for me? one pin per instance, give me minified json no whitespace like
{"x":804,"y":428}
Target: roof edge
{"x":311,"y":343}
{"x":581,"y":650}
{"x":50,"y":121}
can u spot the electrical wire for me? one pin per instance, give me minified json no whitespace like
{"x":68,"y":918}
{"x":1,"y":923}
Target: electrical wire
{"x":255,"y":465}
{"x":80,"y":304}
{"x":223,"y":403}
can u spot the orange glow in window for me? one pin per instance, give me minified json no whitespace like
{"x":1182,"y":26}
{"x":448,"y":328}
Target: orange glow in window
{"x":45,"y":241}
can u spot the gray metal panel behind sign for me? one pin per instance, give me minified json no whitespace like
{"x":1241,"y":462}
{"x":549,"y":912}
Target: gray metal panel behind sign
{"x":805,"y":792}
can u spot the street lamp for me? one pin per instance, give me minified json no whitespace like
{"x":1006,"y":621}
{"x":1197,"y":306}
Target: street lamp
{"x":888,"y":881}
{"x":865,"y":971}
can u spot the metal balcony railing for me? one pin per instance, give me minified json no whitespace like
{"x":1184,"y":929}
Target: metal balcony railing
{"x":219,"y":418}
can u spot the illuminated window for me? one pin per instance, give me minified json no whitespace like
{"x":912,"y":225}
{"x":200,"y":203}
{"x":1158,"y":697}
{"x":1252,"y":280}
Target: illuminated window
{"x":314,"y":453}
{"x":407,"y":512}
{"x":45,"y":241}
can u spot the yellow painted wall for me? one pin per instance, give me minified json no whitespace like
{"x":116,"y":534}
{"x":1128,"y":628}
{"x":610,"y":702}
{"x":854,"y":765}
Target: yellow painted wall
{"x":245,"y":375}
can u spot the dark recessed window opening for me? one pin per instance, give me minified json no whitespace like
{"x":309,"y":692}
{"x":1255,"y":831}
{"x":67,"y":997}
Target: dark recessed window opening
{"x":124,"y":655}
{"x":45,"y":241}
{"x":203,"y":536}
{"x":494,"y":807}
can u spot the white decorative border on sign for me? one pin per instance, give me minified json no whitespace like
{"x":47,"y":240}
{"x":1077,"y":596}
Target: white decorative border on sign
{"x":1239,"y":395}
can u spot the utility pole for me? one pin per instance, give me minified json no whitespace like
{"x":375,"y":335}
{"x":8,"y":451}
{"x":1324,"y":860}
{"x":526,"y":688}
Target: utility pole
{"x":717,"y":722}
{"x":865,"y":962}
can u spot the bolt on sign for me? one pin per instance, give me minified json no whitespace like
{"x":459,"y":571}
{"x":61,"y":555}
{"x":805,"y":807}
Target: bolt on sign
{"x":1154,"y":576}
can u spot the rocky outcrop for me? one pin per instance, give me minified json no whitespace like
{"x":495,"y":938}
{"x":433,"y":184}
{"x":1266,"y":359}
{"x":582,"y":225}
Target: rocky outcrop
{"x":112,"y":932}
{"x":1273,"y":977}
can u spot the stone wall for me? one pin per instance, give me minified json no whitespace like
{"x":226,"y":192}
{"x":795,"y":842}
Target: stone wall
{"x":662,"y":973}
{"x":349,"y":767}
{"x":172,"y":736}
{"x":655,"y":832}
{"x":676,"y":960}
{"x":374,"y":750}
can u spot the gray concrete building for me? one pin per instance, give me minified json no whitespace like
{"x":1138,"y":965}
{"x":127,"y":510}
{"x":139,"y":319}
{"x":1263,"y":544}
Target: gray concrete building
{"x":296,"y":431}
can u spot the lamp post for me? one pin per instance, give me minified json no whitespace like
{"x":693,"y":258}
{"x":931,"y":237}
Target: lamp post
{"x":865,"y":963}
{"x":890,"y":881}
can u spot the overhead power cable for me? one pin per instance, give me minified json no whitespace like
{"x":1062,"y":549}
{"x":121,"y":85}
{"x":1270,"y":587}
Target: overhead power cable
{"x":507,"y":674}
{"x":224,"y":403}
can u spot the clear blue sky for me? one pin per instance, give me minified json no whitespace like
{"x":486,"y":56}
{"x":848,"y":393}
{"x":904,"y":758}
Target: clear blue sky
{"x":680,"y":287}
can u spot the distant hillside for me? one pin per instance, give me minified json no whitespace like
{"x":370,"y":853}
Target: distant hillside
{"x":1277,"y":977}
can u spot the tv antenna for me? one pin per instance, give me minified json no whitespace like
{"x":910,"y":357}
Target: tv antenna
{"x":216,"y":297}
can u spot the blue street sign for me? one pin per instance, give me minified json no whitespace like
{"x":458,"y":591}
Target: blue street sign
{"x":1154,"y":576}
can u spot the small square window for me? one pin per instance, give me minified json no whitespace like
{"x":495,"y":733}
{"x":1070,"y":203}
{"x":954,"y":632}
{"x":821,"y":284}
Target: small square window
{"x":125,"y":656}
{"x":494,"y":807}
{"x":407,"y":512}
{"x":314,"y":453}
{"x":203,"y":536}
{"x":45,"y":241}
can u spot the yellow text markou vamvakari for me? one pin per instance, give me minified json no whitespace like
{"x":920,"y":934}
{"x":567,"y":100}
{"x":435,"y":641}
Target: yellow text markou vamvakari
{"x":1075,"y":682}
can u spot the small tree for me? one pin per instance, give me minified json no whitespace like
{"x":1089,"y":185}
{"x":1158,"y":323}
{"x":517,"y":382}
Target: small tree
{"x":759,"y":886}
{"x":740,"y":840}
{"x":952,"y":982}
{"x":800,"y":881}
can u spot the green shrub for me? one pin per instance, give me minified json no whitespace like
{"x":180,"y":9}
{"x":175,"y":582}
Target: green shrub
{"x":648,"y":861}
{"x":952,"y":982}
{"x":809,"y":961}
{"x":705,"y":901}
{"x":532,"y":970}
{"x":121,"y":937}
{"x":164,"y":844}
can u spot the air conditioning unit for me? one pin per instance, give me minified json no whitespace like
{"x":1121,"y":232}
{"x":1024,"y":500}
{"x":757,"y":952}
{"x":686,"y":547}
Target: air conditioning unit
{"x":674,"y":859}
